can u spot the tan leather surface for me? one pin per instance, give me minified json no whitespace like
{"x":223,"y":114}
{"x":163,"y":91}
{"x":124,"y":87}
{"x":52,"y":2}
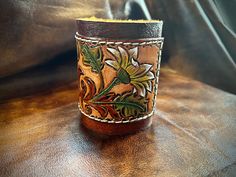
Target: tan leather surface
{"x":193,"y":134}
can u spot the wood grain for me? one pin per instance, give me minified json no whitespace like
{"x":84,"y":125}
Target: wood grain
{"x":193,"y":134}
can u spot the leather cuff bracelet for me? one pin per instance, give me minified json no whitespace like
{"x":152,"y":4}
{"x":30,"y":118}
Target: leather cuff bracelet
{"x":118,"y":70}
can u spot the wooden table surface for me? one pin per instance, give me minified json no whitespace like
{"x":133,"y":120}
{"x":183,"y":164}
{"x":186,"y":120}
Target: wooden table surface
{"x":193,"y":134}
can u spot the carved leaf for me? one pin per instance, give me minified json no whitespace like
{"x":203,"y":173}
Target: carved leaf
{"x":92,"y":56}
{"x":87,"y":88}
{"x":103,"y":106}
{"x":130,"y":105}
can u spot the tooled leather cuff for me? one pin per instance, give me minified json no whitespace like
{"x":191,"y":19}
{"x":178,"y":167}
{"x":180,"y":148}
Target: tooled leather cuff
{"x":118,"y":72}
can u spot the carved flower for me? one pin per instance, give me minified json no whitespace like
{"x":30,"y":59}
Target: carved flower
{"x":130,"y":71}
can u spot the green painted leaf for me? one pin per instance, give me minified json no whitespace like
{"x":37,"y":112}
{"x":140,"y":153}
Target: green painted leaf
{"x":130,"y":105}
{"x":92,"y":56}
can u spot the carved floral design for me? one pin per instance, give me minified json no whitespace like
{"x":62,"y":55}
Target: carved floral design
{"x":130,"y":71}
{"x":128,"y":105}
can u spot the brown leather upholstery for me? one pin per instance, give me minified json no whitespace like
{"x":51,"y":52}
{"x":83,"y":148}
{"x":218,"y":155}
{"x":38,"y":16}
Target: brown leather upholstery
{"x":199,"y":39}
{"x":33,"y":32}
{"x":193,"y":134}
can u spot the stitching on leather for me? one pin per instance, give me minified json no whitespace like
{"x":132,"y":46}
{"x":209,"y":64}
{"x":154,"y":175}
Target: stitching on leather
{"x":114,"y":121}
{"x":102,"y":42}
{"x":141,"y":43}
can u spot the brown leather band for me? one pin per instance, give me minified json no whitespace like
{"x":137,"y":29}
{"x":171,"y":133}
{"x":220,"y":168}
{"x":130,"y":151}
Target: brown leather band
{"x":119,"y":31}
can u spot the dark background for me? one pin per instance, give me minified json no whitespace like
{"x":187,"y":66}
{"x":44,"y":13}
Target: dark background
{"x":37,"y":46}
